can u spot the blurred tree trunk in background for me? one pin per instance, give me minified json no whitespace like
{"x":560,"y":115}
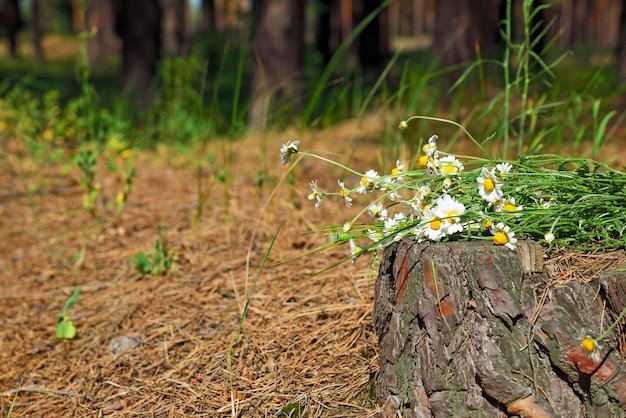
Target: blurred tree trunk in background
{"x":102,"y":45}
{"x":460,"y":26}
{"x":138,"y":24}
{"x":336,"y":19}
{"x":12,"y":24}
{"x":328,"y":35}
{"x":374,"y":40}
{"x":175,"y":29}
{"x":36,"y":30}
{"x":278,"y":47}
{"x":621,"y":46}
{"x":208,"y":14}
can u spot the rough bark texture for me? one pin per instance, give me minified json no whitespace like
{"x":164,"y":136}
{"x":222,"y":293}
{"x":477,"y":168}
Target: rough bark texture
{"x":459,"y":335}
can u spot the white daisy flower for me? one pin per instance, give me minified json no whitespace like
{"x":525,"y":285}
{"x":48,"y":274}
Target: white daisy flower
{"x":502,"y":235}
{"x":374,"y":235}
{"x":369,"y":182}
{"x":488,"y":186}
{"x":396,"y":172}
{"x":503,"y":169}
{"x":355,"y":251}
{"x":592,"y":348}
{"x":344,"y":193}
{"x":287,"y":150}
{"x":316,"y":194}
{"x":377,"y":211}
{"x":450,"y":165}
{"x":449,"y":210}
{"x":432,"y":226}
{"x":391,"y":226}
{"x":508,"y":205}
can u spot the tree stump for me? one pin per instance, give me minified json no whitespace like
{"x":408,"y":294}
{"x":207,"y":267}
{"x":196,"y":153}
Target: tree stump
{"x":472,"y":329}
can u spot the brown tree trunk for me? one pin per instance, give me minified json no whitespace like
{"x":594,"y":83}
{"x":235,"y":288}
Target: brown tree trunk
{"x":138,"y":23}
{"x":472,"y":329}
{"x":208,"y":14}
{"x":36,"y":30}
{"x":278,"y":49}
{"x":175,"y":30}
{"x":621,"y":46}
{"x":373,"y":41}
{"x":12,"y":24}
{"x":101,"y":16}
{"x":460,"y":26}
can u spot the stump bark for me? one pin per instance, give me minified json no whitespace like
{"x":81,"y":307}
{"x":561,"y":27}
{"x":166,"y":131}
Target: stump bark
{"x":472,"y":329}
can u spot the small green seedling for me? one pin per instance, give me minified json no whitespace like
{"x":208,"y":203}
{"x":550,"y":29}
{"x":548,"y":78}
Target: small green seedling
{"x":65,"y":327}
{"x":160,"y":263}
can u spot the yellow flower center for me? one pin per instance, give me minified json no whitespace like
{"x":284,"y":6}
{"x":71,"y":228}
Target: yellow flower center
{"x":435,"y":224}
{"x":488,"y":223}
{"x":423,"y":161}
{"x":450,"y":169}
{"x":489,"y":185}
{"x":510,"y":207}
{"x":500,"y":238}
{"x":588,"y":344}
{"x":342,"y":193}
{"x":451,"y":214}
{"x":364,"y":181}
{"x":395,"y":171}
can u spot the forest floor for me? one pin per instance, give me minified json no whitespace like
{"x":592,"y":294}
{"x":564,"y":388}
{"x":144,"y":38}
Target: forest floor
{"x":159,"y":346}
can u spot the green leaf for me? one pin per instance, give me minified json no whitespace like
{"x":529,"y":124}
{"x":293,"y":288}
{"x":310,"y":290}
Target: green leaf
{"x":65,"y":328}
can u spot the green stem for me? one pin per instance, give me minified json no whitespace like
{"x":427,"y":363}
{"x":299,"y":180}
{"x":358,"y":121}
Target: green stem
{"x":613,"y":325}
{"x":507,"y":82}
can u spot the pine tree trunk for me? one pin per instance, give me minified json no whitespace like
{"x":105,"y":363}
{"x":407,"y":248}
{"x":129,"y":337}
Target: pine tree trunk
{"x":279,"y":56}
{"x":464,"y":331}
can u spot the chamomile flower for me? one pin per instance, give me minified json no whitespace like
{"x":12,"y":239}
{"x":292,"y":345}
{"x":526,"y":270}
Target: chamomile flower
{"x":355,"y":251}
{"x":430,"y":159}
{"x":369,"y":182}
{"x":450,"y":165}
{"x":502,"y":235}
{"x":549,"y":237}
{"x":391,"y":226}
{"x":396,"y":172}
{"x":449,"y":210}
{"x":375,"y":235}
{"x":592,"y":348}
{"x":430,"y":148}
{"x":377,"y":211}
{"x":344,"y":193}
{"x":395,"y":225}
{"x":316,"y":194}
{"x":488,"y":186}
{"x":503,"y":169}
{"x":347,"y":227}
{"x":287,"y":150}
{"x":432,"y":226}
{"x":544,"y":203}
{"x":508,"y":205}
